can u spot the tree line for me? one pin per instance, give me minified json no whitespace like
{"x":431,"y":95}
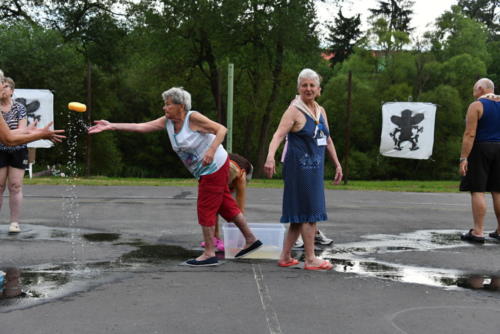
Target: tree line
{"x":118,"y":56}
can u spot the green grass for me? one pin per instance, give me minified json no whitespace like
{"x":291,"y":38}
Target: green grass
{"x":412,"y":186}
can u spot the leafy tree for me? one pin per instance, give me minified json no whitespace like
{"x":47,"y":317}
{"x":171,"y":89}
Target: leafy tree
{"x":291,"y":34}
{"x":39,"y":58}
{"x":484,"y":11}
{"x":343,"y":36}
{"x":391,"y":24}
{"x":397,"y":13}
{"x":12,"y":11}
{"x":449,"y":128}
{"x":461,"y":72}
{"x":457,"y":34}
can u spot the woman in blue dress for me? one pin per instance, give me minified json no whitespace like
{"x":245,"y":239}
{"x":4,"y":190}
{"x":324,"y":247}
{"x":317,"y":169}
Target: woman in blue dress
{"x":305,"y":126}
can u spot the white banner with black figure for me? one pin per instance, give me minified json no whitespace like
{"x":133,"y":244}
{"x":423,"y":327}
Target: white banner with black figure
{"x":39,"y":105}
{"x":407,"y":130}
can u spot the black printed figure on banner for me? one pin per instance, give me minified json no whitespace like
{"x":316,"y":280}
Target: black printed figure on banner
{"x":407,"y":129}
{"x":31,"y":108}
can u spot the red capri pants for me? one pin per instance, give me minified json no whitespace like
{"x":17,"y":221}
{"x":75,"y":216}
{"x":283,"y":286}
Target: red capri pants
{"x":215,"y":198}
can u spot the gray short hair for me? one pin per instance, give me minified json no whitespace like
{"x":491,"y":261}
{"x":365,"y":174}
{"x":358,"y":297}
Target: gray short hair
{"x":485,"y":83}
{"x":178,"y":96}
{"x":9,"y":81}
{"x":307,"y":73}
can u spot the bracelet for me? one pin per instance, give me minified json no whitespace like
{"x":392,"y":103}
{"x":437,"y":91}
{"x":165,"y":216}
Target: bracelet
{"x":462,"y":160}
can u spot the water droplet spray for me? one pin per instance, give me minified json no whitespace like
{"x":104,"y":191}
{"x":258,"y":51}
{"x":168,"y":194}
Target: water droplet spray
{"x":70,"y":205}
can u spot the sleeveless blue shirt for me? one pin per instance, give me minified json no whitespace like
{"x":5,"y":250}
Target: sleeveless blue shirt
{"x":488,"y":126}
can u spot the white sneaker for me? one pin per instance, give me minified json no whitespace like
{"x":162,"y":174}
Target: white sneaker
{"x":321,"y":239}
{"x":14,"y":227}
{"x":299,"y":243}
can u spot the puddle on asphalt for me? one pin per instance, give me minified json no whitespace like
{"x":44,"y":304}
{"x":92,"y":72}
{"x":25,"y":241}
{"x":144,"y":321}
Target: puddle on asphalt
{"x":158,"y":253}
{"x":184,"y":195}
{"x":423,"y":240}
{"x":448,"y":279}
{"x":351,"y":258}
{"x":101,"y":237}
{"x":45,"y":283}
{"x":40,"y":232}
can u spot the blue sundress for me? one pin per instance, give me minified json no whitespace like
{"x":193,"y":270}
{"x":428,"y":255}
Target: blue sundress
{"x":303,"y":171}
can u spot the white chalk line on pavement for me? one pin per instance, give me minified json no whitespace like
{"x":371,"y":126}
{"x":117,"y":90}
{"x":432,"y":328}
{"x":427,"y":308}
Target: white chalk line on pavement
{"x":393,"y":316}
{"x":273,"y":322}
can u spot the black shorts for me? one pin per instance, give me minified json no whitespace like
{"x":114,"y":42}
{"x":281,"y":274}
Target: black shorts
{"x":16,"y":159}
{"x":483,"y":169}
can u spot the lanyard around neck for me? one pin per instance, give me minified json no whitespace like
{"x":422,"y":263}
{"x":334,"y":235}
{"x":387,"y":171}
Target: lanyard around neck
{"x":308,"y":112}
{"x":488,"y":96}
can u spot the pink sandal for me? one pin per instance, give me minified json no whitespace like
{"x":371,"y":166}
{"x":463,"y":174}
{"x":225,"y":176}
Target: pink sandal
{"x":219,"y":244}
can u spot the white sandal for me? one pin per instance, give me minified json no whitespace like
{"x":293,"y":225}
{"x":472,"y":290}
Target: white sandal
{"x":14,"y":227}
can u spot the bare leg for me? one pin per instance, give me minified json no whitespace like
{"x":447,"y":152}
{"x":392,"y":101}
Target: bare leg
{"x":308,"y":233}
{"x":241,"y":223}
{"x":15,"y":177}
{"x":208,"y":236}
{"x":496,"y":206}
{"x":3,"y":181}
{"x":478,"y":212}
{"x":291,"y":236}
{"x":217,"y":232}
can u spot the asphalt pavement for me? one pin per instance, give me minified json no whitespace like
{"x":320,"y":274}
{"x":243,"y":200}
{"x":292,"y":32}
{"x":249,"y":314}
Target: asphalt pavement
{"x":106,"y":260}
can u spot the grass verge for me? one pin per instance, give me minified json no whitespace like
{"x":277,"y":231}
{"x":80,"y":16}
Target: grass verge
{"x":406,"y":185}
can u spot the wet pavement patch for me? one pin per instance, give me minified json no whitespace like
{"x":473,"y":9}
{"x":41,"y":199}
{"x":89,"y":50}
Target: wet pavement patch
{"x":41,"y":232}
{"x":101,"y":237}
{"x":422,"y":240}
{"x":49,"y":282}
{"x":182,"y":195}
{"x":45,"y":283}
{"x":355,"y":258}
{"x":448,"y":279}
{"x":153,"y":253}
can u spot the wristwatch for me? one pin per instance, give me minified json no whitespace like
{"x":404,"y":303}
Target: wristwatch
{"x":462,"y":159}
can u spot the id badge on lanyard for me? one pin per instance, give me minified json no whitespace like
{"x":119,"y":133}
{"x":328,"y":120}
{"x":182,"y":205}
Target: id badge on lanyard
{"x":320,"y":135}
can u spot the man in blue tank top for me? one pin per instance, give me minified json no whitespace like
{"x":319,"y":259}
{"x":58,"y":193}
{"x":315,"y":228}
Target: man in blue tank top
{"x":480,"y":157}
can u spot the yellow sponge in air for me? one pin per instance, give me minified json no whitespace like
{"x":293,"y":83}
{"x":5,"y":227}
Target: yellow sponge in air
{"x":77,"y":106}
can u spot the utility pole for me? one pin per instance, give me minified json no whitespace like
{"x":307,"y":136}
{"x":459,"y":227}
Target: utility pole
{"x":89,"y":116}
{"x":347,"y":137}
{"x":230,"y":86}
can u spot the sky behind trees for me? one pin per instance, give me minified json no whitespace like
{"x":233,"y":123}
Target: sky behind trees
{"x":425,"y":11}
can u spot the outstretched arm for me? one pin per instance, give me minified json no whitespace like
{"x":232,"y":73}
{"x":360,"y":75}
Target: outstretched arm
{"x":103,"y":125}
{"x":7,"y":137}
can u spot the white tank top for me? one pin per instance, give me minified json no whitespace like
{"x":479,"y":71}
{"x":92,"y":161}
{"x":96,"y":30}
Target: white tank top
{"x":191,"y":147}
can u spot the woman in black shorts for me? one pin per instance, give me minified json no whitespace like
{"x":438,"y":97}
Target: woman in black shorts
{"x":13,"y":159}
